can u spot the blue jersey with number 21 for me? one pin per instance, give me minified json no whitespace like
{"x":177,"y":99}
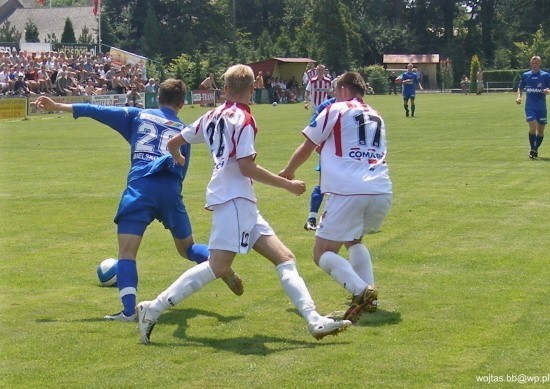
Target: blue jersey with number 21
{"x":147,"y":130}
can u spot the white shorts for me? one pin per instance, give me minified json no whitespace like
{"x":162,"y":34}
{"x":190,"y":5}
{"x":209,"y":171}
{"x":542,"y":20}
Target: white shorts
{"x":236,"y":226}
{"x":350,"y":217}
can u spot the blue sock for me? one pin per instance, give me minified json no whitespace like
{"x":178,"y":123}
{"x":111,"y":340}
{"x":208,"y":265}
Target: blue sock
{"x":532,"y":140}
{"x":127,"y":281}
{"x":198,"y":253}
{"x":538,"y":141}
{"x":316,"y":199}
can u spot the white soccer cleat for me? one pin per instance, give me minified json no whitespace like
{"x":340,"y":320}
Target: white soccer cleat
{"x":147,"y":318}
{"x":328,"y":326}
{"x":121,"y":317}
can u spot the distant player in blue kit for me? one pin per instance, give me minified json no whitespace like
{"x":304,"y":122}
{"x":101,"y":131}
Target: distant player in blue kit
{"x":154,"y":184}
{"x":409,"y":80}
{"x":536,"y":84}
{"x":316,"y":198}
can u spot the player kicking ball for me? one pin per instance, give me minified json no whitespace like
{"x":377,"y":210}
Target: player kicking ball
{"x":229,"y":132}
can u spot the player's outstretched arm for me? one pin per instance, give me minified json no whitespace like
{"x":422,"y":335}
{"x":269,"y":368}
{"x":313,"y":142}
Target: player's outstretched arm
{"x":44,"y":103}
{"x":248,"y":168}
{"x":174,"y":147}
{"x":301,"y":155}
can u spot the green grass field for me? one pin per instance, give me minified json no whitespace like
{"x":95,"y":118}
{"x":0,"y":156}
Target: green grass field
{"x":461,"y":262}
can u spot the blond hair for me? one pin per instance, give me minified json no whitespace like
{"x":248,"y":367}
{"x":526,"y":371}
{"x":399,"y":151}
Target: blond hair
{"x":238,"y":79}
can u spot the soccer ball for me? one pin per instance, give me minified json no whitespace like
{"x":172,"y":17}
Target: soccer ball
{"x":106,"y":272}
{"x":274,"y":104}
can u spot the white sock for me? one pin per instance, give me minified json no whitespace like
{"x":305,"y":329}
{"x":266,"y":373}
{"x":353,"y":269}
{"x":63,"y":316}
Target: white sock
{"x":360,"y":260}
{"x":295,"y":288}
{"x":187,"y":284}
{"x":312,"y":215}
{"x":340,"y":269}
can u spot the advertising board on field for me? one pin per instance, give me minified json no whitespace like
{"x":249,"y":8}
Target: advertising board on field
{"x":18,"y":107}
{"x":116,"y":100}
{"x":203,"y":97}
{"x":13,"y":108}
{"x":58,"y":99}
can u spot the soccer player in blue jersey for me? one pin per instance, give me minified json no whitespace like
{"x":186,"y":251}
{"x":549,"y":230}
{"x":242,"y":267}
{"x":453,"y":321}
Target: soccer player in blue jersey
{"x":316,"y":198}
{"x":154,"y":184}
{"x":409,"y":80}
{"x":536,"y":84}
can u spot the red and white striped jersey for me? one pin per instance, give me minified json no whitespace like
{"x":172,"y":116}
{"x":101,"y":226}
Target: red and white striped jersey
{"x":318,"y":89}
{"x":308,"y":75}
{"x":229,"y":132}
{"x":352,"y":138}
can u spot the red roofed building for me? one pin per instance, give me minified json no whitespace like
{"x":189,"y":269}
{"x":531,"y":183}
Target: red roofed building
{"x":283,"y":68}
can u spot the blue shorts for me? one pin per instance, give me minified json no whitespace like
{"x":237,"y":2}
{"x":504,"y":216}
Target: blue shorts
{"x":153,"y":197}
{"x":535,"y":114}
{"x":409,"y":95}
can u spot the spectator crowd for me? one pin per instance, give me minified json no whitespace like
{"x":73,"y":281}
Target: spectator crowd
{"x":58,"y":74}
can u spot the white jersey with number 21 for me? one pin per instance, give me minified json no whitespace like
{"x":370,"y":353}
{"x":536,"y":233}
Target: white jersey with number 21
{"x":229,"y":131}
{"x":352,"y":137}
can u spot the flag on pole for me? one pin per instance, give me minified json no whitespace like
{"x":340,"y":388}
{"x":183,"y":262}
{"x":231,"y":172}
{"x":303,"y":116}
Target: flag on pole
{"x":96,"y":6}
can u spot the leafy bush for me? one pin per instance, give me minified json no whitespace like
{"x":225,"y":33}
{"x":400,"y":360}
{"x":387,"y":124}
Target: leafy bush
{"x":377,"y":77}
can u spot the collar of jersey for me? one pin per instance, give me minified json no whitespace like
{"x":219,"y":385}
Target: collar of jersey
{"x":240,"y":105}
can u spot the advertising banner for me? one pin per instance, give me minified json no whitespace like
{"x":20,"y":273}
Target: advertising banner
{"x":12,"y":108}
{"x":36,"y":47}
{"x":58,"y":99}
{"x":120,"y":57}
{"x":203,"y":97}
{"x":116,"y":100}
{"x":75,"y":50}
{"x":9,"y":47}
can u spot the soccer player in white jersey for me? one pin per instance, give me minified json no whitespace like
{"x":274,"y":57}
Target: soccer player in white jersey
{"x":352,"y":138}
{"x":317,"y":89}
{"x":229,"y":132}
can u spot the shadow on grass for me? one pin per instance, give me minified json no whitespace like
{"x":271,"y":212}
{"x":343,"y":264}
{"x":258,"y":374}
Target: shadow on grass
{"x":379,"y":318}
{"x":255,"y":345}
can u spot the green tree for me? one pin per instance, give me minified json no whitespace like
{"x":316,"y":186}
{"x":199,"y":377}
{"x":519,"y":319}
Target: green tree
{"x":68,"y":32}
{"x":503,"y":58}
{"x":377,"y":77}
{"x":151,"y":33}
{"x":107,"y":34}
{"x":332,"y":46}
{"x":539,"y":45}
{"x":86,"y":37}
{"x":446,"y":73}
{"x":155,"y":68}
{"x":31,"y":32}
{"x":475,"y":64}
{"x":51,"y":38}
{"x":283,"y":45}
{"x":9,"y":33}
{"x":265,"y":45}
{"x":70,"y":3}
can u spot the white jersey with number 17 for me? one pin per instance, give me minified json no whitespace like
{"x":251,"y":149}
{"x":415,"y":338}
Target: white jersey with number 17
{"x":229,"y":131}
{"x":353,"y":152}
